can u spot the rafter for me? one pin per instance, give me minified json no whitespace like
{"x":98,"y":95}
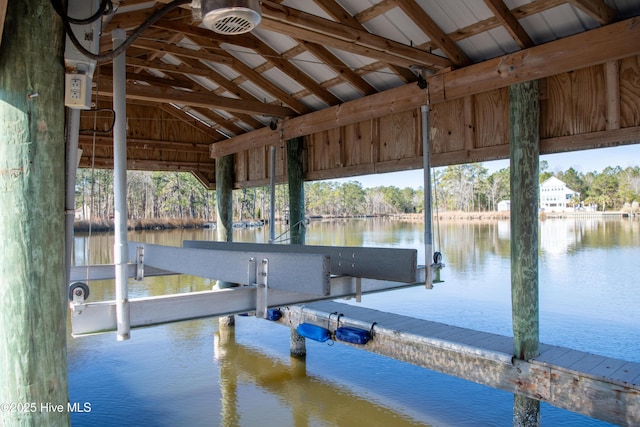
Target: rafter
{"x":597,"y":9}
{"x":144,"y":144}
{"x":338,"y":13}
{"x":346,"y":73}
{"x":578,"y":51}
{"x":308,"y":27}
{"x":203,"y":38}
{"x":510,"y":23}
{"x":297,"y":74}
{"x":435,"y":33}
{"x":170,"y":95}
{"x":376,"y":10}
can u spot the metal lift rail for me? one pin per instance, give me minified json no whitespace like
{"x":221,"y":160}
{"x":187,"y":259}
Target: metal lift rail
{"x":265,"y":276}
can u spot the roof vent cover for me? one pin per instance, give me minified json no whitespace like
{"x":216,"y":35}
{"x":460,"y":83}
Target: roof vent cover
{"x":231,"y":16}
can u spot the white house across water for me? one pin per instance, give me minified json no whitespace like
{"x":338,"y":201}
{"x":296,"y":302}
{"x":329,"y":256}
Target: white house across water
{"x":555,"y":195}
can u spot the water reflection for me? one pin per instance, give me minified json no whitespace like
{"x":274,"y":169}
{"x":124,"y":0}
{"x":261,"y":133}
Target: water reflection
{"x":303,"y":400}
{"x":168,"y":375}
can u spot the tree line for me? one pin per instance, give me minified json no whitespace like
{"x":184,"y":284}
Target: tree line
{"x":466,"y":188}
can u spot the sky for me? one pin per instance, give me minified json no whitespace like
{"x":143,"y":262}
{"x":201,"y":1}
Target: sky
{"x":582,"y":161}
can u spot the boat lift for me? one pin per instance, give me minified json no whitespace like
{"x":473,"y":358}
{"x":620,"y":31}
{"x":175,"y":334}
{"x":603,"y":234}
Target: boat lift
{"x":266,"y":276}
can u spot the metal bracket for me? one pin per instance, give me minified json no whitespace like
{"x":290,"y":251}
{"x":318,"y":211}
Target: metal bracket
{"x":252,"y":271}
{"x":262,"y":273}
{"x":139,"y":263}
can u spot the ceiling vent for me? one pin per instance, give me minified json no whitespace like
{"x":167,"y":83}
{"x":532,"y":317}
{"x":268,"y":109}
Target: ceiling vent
{"x":231,"y":16}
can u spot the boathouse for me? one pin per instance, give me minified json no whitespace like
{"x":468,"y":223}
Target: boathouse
{"x":253,"y":93}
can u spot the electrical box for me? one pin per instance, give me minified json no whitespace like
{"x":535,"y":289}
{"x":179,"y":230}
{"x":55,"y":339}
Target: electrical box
{"x":80,"y":68}
{"x":77,"y":91}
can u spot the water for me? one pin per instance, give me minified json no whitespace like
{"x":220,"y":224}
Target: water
{"x":186,"y":374}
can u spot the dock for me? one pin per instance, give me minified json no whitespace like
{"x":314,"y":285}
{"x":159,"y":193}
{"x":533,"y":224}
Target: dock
{"x":303,"y":284}
{"x":597,"y":386}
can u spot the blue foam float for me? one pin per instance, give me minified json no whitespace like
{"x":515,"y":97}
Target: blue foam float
{"x":274,"y":314}
{"x":353,"y":335}
{"x":313,"y":332}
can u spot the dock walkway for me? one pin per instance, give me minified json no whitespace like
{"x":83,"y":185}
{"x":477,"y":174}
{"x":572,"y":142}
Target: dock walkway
{"x":597,"y":386}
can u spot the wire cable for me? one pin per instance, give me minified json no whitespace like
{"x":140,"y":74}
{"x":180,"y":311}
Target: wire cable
{"x":152,"y":19}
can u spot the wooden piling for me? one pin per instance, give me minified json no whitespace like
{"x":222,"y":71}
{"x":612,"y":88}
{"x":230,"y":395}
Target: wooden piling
{"x":224,"y":198}
{"x":296,"y":190}
{"x":33,"y":292}
{"x":524,"y":114}
{"x":224,"y":217}
{"x":298,"y":345}
{"x":295,"y":174}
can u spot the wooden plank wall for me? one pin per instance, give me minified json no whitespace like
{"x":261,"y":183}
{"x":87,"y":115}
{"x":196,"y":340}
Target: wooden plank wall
{"x":594,"y":107}
{"x":154,"y":136}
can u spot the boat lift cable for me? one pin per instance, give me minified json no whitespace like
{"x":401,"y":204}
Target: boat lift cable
{"x":279,"y":239}
{"x":435,"y":202}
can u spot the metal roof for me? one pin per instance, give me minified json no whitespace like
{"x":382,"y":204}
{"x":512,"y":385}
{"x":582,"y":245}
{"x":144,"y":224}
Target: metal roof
{"x":307,"y":55}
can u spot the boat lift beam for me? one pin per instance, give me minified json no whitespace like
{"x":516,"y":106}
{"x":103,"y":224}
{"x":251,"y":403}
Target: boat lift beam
{"x":293,"y":278}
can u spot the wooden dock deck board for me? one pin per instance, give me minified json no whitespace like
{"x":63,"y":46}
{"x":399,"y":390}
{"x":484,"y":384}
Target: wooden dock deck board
{"x":597,"y":386}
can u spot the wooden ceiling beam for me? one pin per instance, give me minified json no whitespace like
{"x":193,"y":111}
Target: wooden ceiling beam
{"x":614,"y":41}
{"x":256,"y":78}
{"x":311,"y":28}
{"x":296,"y":74}
{"x":204,"y":39}
{"x":345,"y":73}
{"x":438,"y":37}
{"x":150,"y":165}
{"x":372,"y":106}
{"x":376,"y":10}
{"x":597,"y":46}
{"x":182,"y":114}
{"x":224,"y":58}
{"x":337,"y":12}
{"x":181,"y":97}
{"x":183,"y":52}
{"x":510,"y":23}
{"x":597,"y":9}
{"x":145,"y":144}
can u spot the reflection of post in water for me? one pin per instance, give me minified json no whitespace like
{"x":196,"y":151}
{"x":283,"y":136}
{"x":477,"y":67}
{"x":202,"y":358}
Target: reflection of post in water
{"x":304,"y":399}
{"x":228,"y":378}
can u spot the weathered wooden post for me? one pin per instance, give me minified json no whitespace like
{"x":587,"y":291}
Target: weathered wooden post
{"x":224,"y":214}
{"x":224,"y":198}
{"x":296,"y":190}
{"x":524,"y":115}
{"x":33,"y":292}
{"x":295,"y":175}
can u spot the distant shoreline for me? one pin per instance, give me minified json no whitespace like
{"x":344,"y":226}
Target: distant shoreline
{"x":174,"y":224}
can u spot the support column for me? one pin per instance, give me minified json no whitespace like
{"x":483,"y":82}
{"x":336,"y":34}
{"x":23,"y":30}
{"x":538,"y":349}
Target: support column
{"x":224,"y":198}
{"x":524,"y":114}
{"x":298,"y":345}
{"x":224,"y":217}
{"x":296,"y":190}
{"x":120,"y":246}
{"x":73,"y":132}
{"x":295,"y":176}
{"x":33,"y":291}
{"x":428,"y":214}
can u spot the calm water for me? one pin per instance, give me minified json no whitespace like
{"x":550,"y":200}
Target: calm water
{"x":186,"y":374}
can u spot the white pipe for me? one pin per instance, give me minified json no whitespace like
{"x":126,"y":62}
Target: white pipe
{"x":428,"y":214}
{"x":120,"y":249}
{"x":272,"y":202}
{"x":73,"y":131}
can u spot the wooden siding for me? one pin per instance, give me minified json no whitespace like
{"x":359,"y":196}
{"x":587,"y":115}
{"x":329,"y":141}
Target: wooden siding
{"x":156,"y":140}
{"x":587,"y":108}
